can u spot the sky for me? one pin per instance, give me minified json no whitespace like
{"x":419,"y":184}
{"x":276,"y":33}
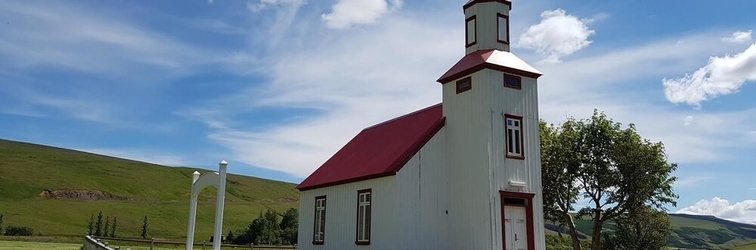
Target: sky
{"x":275,"y":87}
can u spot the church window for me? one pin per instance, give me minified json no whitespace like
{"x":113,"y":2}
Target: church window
{"x":464,"y":85}
{"x":470,"y":34}
{"x":502,"y":26}
{"x":514,"y":136}
{"x":320,"y":216}
{"x":511,"y":81}
{"x":363,"y":216}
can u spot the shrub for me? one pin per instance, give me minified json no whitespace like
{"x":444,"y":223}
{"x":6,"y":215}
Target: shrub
{"x":19,"y":231}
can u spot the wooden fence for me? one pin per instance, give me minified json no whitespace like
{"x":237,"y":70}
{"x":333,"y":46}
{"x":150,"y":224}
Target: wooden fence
{"x":203,"y":245}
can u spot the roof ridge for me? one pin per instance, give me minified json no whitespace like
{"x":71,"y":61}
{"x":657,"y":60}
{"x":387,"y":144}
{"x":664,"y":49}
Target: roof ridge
{"x":403,"y":116}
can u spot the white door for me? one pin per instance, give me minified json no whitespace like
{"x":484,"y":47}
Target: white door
{"x":515,"y":228}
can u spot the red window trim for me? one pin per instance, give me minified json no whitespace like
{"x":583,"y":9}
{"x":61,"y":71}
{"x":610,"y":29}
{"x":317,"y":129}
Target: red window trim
{"x":528,"y":216}
{"x":519,"y":81}
{"x":497,"y":28}
{"x":467,"y":34}
{"x":357,"y":227}
{"x":459,"y":82}
{"x":315,"y":218}
{"x":506,"y":139}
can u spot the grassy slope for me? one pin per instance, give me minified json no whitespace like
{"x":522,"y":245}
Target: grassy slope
{"x":161,"y":193}
{"x":697,"y":232}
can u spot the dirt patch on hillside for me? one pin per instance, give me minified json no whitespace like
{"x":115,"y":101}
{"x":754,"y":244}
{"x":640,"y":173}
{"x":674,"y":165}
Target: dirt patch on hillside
{"x":80,"y":195}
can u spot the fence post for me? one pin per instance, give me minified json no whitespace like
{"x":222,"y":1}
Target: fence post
{"x":152,"y":244}
{"x":203,"y":245}
{"x":251,"y":246}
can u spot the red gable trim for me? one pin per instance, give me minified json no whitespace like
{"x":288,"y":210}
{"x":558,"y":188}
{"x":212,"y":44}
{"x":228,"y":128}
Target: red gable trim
{"x":476,"y":61}
{"x":378,"y":151}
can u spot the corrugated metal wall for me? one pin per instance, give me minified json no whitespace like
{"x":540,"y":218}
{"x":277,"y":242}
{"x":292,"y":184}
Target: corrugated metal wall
{"x":341,"y":215}
{"x":467,"y":135}
{"x":522,"y":102}
{"x":421,"y":199}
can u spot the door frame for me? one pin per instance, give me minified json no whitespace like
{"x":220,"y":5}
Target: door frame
{"x":528,"y":197}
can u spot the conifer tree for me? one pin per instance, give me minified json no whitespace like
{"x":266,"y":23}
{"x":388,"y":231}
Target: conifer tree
{"x":107,"y":227}
{"x":90,"y":227}
{"x":98,"y":226}
{"x":113,"y":230}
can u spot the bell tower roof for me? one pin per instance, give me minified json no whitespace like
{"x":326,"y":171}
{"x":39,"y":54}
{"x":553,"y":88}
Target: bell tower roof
{"x":491,"y":59}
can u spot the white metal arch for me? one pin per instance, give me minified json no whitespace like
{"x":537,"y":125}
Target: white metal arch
{"x":218,"y":180}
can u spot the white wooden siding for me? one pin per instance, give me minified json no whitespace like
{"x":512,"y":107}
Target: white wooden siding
{"x":522,"y":102}
{"x":467,"y":138}
{"x":485,"y":19}
{"x":421,"y":203}
{"x":341,"y":215}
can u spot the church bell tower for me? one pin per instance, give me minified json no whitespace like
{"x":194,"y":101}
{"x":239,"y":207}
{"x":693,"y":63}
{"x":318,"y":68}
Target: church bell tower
{"x":490,"y":101}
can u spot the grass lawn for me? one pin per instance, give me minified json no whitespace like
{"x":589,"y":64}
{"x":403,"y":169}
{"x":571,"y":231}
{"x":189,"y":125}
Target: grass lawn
{"x":23,"y":245}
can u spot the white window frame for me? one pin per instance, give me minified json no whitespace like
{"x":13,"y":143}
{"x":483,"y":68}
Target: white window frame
{"x":513,"y":130}
{"x":364,"y":214}
{"x":318,"y":235}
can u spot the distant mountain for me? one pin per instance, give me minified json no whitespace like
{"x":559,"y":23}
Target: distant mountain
{"x":56,"y":191}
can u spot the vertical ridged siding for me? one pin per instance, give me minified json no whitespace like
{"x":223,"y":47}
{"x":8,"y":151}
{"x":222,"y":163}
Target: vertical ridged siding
{"x":467,"y":133}
{"x":522,"y":102}
{"x":341,"y":215}
{"x":421,"y":199}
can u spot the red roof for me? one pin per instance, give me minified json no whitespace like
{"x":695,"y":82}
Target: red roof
{"x":491,"y":59}
{"x":378,"y":151}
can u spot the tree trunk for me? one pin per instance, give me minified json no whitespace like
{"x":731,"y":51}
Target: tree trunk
{"x":573,"y":232}
{"x":596,"y":237}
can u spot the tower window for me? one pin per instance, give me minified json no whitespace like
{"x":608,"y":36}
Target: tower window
{"x":511,"y":81}
{"x":514,"y":134}
{"x":470,"y":34}
{"x":503,"y":28}
{"x":464,"y":85}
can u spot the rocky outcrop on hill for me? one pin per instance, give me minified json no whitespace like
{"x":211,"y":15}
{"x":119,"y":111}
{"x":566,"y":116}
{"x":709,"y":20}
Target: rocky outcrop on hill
{"x":80,"y":195}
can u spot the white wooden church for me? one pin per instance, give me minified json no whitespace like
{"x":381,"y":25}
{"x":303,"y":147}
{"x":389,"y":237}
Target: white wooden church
{"x":463,"y":174}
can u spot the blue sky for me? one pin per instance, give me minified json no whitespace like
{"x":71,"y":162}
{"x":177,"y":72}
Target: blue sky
{"x":275,"y":87}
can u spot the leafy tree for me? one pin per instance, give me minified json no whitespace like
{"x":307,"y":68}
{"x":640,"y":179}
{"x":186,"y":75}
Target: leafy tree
{"x":90,"y":227}
{"x":113,"y":230}
{"x":19,"y":231}
{"x":98,"y":226}
{"x":107,"y":226}
{"x":560,"y":165}
{"x":230,"y":236}
{"x":643,"y":229}
{"x":615,"y":169}
{"x":271,"y":233}
{"x":144,"y":228}
{"x":290,"y":226}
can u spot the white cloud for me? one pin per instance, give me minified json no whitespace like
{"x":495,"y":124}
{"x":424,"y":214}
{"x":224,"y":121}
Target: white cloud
{"x":557,"y":35}
{"x":739,"y":37}
{"x":721,"y":76}
{"x":340,"y":87}
{"x":346,"y":13}
{"x":743,"y":211}
{"x":263,"y":4}
{"x":688,"y":120}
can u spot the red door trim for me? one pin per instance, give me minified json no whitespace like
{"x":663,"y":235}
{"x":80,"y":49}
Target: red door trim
{"x":528,"y":216}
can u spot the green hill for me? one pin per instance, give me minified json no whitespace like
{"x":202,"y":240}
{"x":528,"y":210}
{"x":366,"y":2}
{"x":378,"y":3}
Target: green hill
{"x":55,"y":191}
{"x":689,"y":232}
